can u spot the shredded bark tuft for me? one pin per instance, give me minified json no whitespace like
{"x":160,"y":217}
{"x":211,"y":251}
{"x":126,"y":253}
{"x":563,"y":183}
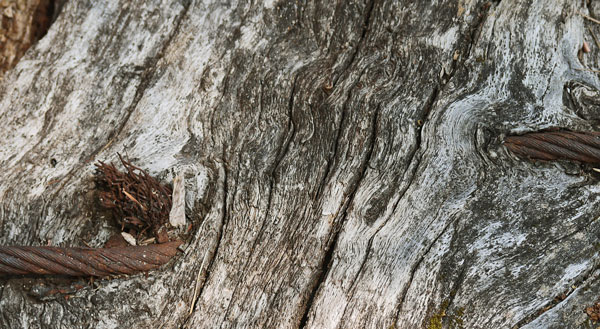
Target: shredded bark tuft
{"x":593,"y":312}
{"x":137,"y":200}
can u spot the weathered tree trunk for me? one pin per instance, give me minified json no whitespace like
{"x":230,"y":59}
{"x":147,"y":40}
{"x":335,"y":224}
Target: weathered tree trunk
{"x":343,"y":161}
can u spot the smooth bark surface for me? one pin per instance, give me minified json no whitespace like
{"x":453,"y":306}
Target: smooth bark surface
{"x":342,"y":161}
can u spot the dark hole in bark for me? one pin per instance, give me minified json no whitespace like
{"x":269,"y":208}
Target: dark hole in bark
{"x":42,"y":18}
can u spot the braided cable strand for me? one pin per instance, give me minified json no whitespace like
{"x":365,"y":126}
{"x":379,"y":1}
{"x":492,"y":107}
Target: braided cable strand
{"x":85,"y":261}
{"x":554,"y":145}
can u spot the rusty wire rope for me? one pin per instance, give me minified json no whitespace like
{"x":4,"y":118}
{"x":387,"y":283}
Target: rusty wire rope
{"x":139,"y":204}
{"x":97,"y":262}
{"x":554,"y":145}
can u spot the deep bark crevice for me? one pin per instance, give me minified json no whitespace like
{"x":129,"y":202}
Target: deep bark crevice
{"x":282,"y":150}
{"x":328,"y":259}
{"x":360,"y":44}
{"x":220,"y":233}
{"x":475,"y":30}
{"x":324,"y":269}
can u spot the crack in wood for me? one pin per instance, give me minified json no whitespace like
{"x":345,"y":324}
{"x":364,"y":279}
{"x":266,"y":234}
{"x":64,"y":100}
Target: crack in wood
{"x":281,"y":152}
{"x":367,"y":253}
{"x":213,"y":256}
{"x":477,"y":26}
{"x":568,"y":235}
{"x":360,"y":44}
{"x":332,"y":157}
{"x":456,"y":284}
{"x":411,"y":156}
{"x":361,"y":41}
{"x":328,"y":259}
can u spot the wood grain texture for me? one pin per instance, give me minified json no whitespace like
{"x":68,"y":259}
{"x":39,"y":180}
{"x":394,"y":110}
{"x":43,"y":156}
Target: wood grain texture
{"x":342,"y":160}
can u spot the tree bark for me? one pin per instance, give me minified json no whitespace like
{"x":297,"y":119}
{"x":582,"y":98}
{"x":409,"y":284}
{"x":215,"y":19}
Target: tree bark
{"x":343,"y":161}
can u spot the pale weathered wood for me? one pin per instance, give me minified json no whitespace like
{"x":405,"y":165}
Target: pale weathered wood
{"x":343,"y":161}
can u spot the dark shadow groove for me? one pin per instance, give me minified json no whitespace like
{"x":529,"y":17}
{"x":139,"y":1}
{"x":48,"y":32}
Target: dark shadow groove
{"x":219,"y":238}
{"x":361,"y":41}
{"x":281,"y":152}
{"x":328,"y":259}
